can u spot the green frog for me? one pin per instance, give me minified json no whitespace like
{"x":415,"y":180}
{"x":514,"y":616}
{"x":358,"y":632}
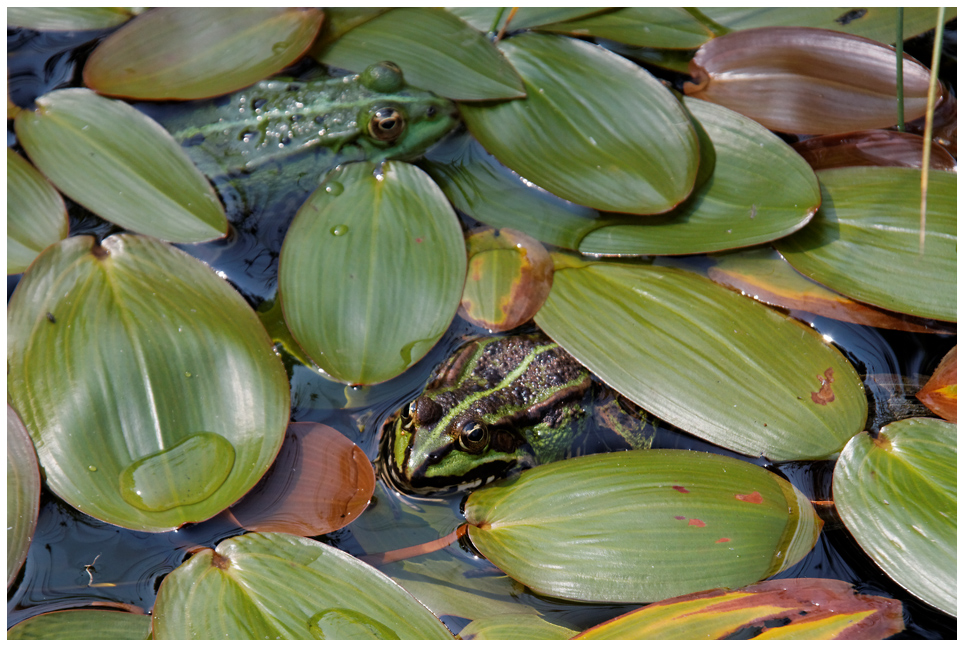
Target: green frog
{"x":241,"y":140}
{"x":496,"y":406}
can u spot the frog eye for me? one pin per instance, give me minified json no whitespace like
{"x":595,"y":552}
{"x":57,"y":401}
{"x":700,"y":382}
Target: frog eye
{"x":473,"y":437}
{"x":386,"y":124}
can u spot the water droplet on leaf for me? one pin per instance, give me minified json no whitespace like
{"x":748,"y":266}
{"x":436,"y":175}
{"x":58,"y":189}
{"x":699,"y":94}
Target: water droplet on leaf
{"x":341,"y":623}
{"x":339,"y":230}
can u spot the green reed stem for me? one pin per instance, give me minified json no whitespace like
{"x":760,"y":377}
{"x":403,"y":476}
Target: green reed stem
{"x":929,"y":123}
{"x":899,"y":67}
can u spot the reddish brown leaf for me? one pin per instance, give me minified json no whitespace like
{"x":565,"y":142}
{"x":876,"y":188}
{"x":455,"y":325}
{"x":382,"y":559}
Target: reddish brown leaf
{"x":871,"y":148}
{"x":802,"y":608}
{"x":940,"y":393}
{"x":805,"y":80}
{"x":319,"y":482}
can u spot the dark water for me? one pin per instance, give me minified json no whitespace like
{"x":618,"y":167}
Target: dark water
{"x":75,"y":560}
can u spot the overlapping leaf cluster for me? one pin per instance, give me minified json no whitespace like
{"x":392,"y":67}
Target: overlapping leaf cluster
{"x":566,"y":141}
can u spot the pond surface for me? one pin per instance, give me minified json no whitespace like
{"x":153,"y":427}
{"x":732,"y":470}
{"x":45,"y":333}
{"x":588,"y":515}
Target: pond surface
{"x":75,"y":559}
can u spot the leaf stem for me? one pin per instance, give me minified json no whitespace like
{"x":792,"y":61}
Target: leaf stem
{"x":899,"y":67}
{"x":929,"y":124}
{"x":417,"y":550}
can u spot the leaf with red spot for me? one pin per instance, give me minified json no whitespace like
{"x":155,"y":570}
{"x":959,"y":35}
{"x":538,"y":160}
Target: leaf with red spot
{"x":641,"y":525}
{"x":803,"y":608}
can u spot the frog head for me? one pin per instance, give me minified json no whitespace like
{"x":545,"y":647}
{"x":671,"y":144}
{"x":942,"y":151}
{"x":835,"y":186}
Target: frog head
{"x":396,"y":121}
{"x":429,"y":452}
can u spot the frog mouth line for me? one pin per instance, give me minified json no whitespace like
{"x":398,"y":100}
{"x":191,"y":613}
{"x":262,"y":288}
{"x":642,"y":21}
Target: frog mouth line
{"x":439,"y":486}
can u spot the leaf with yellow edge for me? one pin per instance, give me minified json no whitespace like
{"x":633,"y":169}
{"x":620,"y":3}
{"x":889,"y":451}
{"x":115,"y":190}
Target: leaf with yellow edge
{"x":803,"y":608}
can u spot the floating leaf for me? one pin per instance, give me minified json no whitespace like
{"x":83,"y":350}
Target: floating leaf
{"x":479,"y":185}
{"x":525,"y":17}
{"x":437,"y":51}
{"x":871,"y":148}
{"x":641,"y":525}
{"x":23,"y":493}
{"x":802,"y":80}
{"x":659,"y":27}
{"x":36,"y":215}
{"x":372,"y":271}
{"x":726,"y":211}
{"x":96,"y":625}
{"x":340,"y":20}
{"x":706,"y":359}
{"x":877,"y":23}
{"x":195,"y":52}
{"x":67,"y":18}
{"x":897,"y":495}
{"x":763,"y":274}
{"x":940,"y":393}
{"x":320,"y":482}
{"x":802,"y":608}
{"x":286,"y":587}
{"x":510,"y":275}
{"x":515,"y":627}
{"x":869,"y":220}
{"x":138,"y":419}
{"x":596,"y":156}
{"x":121,"y":165}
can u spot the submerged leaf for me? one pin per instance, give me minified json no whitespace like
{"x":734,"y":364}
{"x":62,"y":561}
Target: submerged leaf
{"x":319,"y":482}
{"x":869,"y":220}
{"x":871,"y":148}
{"x":806,"y":81}
{"x":596,"y":156}
{"x":706,"y":359}
{"x":91,"y":624}
{"x":36,"y":215}
{"x":372,"y":271}
{"x":802,"y":608}
{"x":195,"y":52}
{"x":121,"y":165}
{"x":280,"y":586}
{"x":897,"y":495}
{"x":515,"y":627}
{"x":641,"y":525}
{"x":138,"y":419}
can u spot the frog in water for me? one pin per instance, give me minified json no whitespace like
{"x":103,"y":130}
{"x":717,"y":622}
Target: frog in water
{"x":279,"y":137}
{"x":496,"y":406}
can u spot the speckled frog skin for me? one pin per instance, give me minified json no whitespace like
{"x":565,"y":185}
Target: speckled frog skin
{"x":496,"y":406}
{"x":310,"y":126}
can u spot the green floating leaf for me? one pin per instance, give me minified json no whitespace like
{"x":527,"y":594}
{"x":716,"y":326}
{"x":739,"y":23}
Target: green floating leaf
{"x":898,"y":494}
{"x":138,"y":419}
{"x":482,"y":18}
{"x":706,"y":359}
{"x":121,"y":165}
{"x":641,"y":525}
{"x":798,"y":608}
{"x":23,"y":493}
{"x":597,"y":156}
{"x":280,"y":586}
{"x":36,"y":215}
{"x":67,"y":18}
{"x":372,"y":271}
{"x":90,"y":624}
{"x":659,"y":27}
{"x":515,"y":627}
{"x":339,"y":20}
{"x":876,"y":23}
{"x":196,"y":52}
{"x":479,"y":185}
{"x":759,"y":190}
{"x":869,"y":220}
{"x":510,"y":275}
{"x":437,"y":52}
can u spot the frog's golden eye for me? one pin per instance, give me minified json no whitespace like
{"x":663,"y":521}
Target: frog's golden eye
{"x":473,"y":437}
{"x":386,"y":124}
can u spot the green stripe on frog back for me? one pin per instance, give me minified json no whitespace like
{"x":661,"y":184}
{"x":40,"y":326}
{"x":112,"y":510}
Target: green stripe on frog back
{"x":508,"y":380}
